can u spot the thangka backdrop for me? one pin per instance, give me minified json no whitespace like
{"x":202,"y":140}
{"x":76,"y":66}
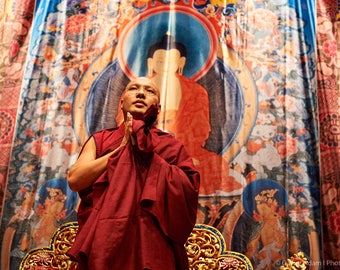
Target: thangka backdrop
{"x":250,"y":87}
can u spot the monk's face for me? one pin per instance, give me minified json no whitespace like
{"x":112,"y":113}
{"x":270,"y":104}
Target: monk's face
{"x":138,"y":96}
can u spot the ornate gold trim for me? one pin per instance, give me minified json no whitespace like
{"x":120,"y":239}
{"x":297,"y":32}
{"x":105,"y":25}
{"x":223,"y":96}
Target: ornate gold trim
{"x":206,"y":249}
{"x":296,"y":262}
{"x":54,"y":256}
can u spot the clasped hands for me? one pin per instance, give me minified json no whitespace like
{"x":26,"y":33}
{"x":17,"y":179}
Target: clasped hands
{"x":149,"y":118}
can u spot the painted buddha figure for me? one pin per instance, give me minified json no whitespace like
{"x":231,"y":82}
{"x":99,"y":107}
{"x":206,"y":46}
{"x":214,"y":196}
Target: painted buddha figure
{"x":185,"y":113}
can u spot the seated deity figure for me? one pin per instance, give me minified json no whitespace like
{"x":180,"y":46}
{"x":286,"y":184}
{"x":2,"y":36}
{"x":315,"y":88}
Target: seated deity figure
{"x":185,"y":113}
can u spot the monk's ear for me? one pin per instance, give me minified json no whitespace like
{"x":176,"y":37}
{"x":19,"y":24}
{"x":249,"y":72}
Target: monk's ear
{"x":121,"y":101}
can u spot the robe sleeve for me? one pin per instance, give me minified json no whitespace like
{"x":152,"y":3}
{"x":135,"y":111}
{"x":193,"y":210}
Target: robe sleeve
{"x":170,"y":191}
{"x":170,"y":194}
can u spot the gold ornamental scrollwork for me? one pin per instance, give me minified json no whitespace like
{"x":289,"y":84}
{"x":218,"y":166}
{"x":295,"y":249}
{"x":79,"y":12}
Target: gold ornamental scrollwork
{"x":206,"y":249}
{"x":53,"y":256}
{"x":296,"y":262}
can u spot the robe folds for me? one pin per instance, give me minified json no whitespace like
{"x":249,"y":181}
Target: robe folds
{"x":141,"y":210}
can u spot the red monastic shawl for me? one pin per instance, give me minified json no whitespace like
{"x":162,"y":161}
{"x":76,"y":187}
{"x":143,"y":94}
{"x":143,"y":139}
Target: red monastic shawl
{"x":141,"y":210}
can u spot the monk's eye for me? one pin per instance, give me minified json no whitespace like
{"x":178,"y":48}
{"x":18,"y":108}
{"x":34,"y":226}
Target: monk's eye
{"x":150,"y":91}
{"x":133,"y":88}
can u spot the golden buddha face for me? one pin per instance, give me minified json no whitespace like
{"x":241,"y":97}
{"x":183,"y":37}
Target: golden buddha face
{"x":164,"y":61}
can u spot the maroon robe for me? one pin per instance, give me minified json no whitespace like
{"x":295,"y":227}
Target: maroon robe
{"x":141,"y":210}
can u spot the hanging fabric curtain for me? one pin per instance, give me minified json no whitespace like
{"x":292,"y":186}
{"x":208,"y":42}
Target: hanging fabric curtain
{"x":328,"y":87}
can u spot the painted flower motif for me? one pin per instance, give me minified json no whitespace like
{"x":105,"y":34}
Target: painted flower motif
{"x":253,"y":146}
{"x":298,"y":189}
{"x":267,"y":118}
{"x":263,"y":19}
{"x":76,"y":24}
{"x":290,"y":122}
{"x":301,"y":131}
{"x":14,"y":48}
{"x":299,"y":215}
{"x":287,"y":102}
{"x":287,"y":145}
{"x":330,"y":48}
{"x":40,"y":147}
{"x":50,"y":54}
{"x":334,"y":221}
{"x":269,"y":156}
{"x":29,"y":132}
{"x":44,"y":106}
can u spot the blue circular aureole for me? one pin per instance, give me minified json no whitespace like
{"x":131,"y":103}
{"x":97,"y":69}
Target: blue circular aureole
{"x":194,"y":32}
{"x":61,"y":184}
{"x":254,"y":188}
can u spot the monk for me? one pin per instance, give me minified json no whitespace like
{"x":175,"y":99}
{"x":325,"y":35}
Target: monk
{"x":138,"y":190}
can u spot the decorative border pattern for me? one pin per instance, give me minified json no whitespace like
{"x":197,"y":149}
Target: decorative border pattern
{"x":206,"y":249}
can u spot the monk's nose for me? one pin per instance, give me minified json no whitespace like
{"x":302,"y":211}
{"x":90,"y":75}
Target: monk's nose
{"x":141,"y":90}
